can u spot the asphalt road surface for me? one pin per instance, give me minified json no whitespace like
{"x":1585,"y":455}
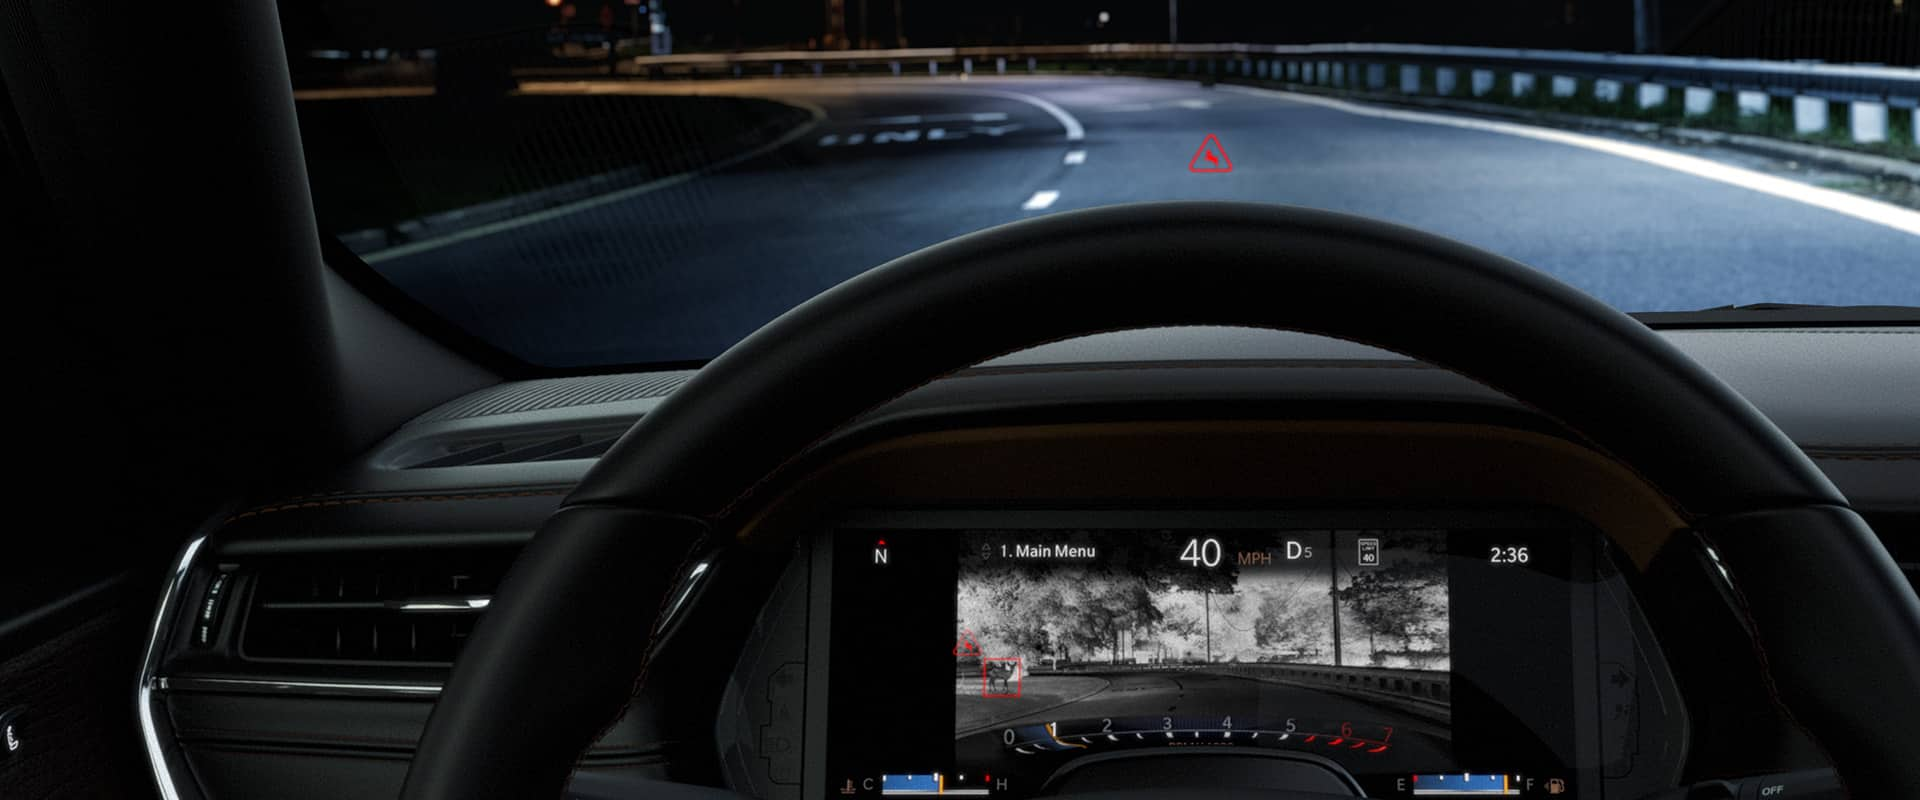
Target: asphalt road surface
{"x":1190,"y":698}
{"x":682,"y":272}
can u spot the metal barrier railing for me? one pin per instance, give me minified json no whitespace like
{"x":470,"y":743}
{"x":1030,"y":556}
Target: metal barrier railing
{"x":1897,"y":86}
{"x":1427,"y":686}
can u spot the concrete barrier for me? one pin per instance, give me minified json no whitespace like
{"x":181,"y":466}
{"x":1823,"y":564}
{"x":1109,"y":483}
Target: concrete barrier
{"x":1867,"y":121}
{"x":1698,"y":101}
{"x":1482,"y":82}
{"x":1751,"y":103}
{"x":1522,"y":84}
{"x":1809,"y":114}
{"x":1000,"y":66}
{"x":1651,"y":95}
{"x":1445,"y":80}
{"x":1430,"y":688}
{"x":1565,"y":86}
{"x":1376,"y":76}
{"x":1409,"y":79}
{"x":1606,"y":90}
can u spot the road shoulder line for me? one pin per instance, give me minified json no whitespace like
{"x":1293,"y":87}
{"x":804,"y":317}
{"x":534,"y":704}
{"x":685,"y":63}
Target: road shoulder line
{"x":1861,"y":208}
{"x":816,"y":115}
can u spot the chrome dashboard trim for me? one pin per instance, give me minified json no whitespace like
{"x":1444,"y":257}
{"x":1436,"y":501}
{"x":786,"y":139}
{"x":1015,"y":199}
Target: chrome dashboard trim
{"x":270,"y":686}
{"x":688,"y":584}
{"x":156,"y":647}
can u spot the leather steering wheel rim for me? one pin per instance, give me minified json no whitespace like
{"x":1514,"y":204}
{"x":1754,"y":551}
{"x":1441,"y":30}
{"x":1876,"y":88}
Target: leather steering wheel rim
{"x":560,"y":650}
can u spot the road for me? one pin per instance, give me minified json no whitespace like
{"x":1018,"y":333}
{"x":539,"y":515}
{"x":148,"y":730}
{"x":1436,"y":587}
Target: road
{"x":682,"y":272}
{"x":1186,"y":701}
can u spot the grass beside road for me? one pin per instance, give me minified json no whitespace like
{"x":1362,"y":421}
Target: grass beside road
{"x":377,"y":161}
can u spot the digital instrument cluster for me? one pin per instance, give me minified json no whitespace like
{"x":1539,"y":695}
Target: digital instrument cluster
{"x":1447,"y":655}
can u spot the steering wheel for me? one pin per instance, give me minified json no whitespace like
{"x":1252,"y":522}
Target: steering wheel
{"x":560,"y":652}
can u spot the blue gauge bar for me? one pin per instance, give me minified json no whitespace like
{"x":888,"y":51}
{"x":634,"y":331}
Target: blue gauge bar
{"x":927,"y":783}
{"x":1463,"y":784}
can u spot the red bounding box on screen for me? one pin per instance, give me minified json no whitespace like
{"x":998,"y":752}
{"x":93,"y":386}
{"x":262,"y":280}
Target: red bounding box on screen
{"x":1000,"y":677}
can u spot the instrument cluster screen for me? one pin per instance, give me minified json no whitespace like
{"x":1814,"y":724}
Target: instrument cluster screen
{"x":1405,"y":661}
{"x":1080,"y":642}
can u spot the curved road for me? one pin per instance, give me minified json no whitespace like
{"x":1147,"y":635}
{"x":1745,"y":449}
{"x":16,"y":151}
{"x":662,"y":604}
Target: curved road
{"x":682,"y":272}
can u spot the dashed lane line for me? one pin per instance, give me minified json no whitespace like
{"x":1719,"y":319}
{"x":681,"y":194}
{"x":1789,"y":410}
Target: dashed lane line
{"x":1040,"y":200}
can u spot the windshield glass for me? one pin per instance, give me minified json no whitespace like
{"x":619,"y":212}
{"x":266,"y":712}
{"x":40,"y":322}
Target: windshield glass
{"x":582,"y":183}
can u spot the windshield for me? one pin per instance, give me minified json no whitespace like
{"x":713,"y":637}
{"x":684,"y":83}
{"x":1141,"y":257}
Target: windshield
{"x":582,"y":184}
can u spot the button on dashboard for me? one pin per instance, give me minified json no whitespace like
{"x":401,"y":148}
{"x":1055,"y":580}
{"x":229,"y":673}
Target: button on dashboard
{"x":1816,"y":784}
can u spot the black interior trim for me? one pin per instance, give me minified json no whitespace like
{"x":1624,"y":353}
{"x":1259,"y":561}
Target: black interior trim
{"x":362,"y":276}
{"x":706,"y":449}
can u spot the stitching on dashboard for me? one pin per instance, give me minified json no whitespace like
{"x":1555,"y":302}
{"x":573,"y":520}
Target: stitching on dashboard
{"x":678,"y":577}
{"x":1043,"y":369}
{"x":777,"y":469}
{"x":384,"y":499}
{"x":1772,"y":684}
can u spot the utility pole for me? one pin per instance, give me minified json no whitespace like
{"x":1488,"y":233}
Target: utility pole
{"x":1173,"y":21}
{"x":1646,"y":26}
{"x":899,"y":30}
{"x":1333,"y":592}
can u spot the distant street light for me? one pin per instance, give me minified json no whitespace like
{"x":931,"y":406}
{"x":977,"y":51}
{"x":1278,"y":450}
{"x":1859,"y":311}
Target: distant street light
{"x":553,"y":3}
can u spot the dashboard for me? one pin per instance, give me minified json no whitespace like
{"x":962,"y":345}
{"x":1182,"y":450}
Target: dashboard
{"x":1118,"y":567}
{"x":1395,"y":653}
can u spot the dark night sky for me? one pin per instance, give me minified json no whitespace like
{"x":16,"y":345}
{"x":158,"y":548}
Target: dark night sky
{"x":707,"y":24}
{"x":1835,"y":30}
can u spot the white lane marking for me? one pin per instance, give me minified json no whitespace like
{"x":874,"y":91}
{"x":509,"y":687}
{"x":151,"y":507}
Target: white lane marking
{"x":596,"y":201}
{"x":913,"y":135}
{"x":1040,"y":200}
{"x":1862,"y":208}
{"x":1076,"y":157}
{"x":1074,"y":131}
{"x":916,"y":119}
{"x":1125,"y":108}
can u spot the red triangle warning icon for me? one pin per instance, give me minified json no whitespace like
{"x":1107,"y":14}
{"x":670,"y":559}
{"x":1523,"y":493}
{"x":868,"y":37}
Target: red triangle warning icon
{"x":966,"y":647}
{"x":1211,"y":157}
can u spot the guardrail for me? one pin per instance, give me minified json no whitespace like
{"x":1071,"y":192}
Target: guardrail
{"x":1900,"y":85}
{"x":1468,"y":72}
{"x":1424,"y":686}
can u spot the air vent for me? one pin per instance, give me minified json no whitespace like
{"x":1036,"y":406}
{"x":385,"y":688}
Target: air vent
{"x":522,"y":450}
{"x":399,"y":609}
{"x":552,"y":393}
